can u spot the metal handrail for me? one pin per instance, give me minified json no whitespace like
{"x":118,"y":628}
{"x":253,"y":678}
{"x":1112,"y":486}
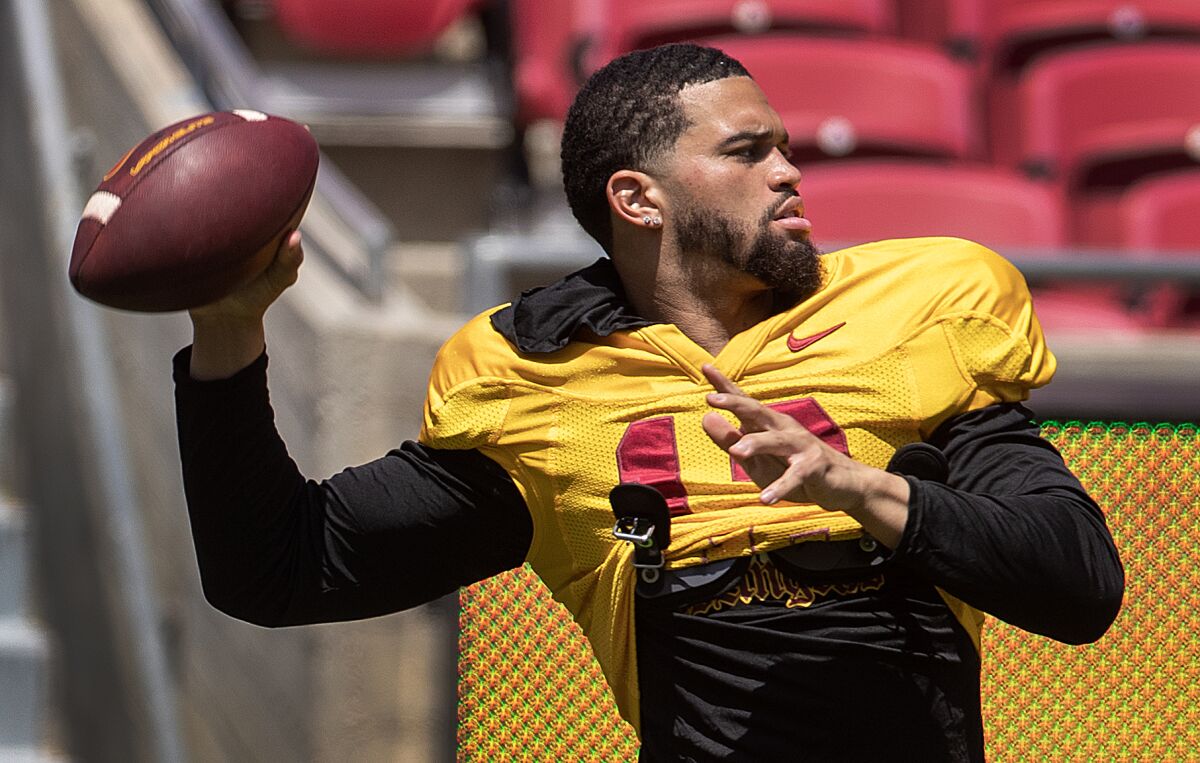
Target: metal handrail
{"x":493,"y":260}
{"x":1106,"y":265}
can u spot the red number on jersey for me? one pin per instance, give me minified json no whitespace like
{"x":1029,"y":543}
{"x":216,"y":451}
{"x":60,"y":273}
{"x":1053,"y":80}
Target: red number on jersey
{"x":649,"y":453}
{"x":811,"y":416}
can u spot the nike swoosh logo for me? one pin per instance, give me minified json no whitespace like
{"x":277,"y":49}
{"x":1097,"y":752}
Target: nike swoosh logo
{"x":796,"y":345}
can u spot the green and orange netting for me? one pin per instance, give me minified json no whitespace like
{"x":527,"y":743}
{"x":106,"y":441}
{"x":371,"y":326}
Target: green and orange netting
{"x":529,"y":688}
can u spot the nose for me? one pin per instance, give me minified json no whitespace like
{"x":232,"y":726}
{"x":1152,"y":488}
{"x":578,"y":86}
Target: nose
{"x":784,"y":174}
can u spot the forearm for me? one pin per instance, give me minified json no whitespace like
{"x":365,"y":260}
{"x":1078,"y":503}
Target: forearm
{"x":276,"y":549}
{"x":884,"y":508}
{"x":249,"y":507}
{"x":1014,"y":534}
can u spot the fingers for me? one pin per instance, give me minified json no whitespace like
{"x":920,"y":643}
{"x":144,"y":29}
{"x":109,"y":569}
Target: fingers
{"x":291,"y":252}
{"x":782,"y":462}
{"x":720,"y":431}
{"x":720,"y":382}
{"x":782,"y":444}
{"x":775,"y":450}
{"x":284,"y":270}
{"x":291,"y":246}
{"x":753,"y":415}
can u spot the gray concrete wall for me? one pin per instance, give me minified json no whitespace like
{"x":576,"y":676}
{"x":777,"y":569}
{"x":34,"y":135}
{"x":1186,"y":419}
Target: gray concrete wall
{"x":347,"y":380}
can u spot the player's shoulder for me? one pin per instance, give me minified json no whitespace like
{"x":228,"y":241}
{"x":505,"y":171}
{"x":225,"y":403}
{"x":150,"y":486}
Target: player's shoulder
{"x":956,"y":268}
{"x":476,"y":351}
{"x":946,"y":256}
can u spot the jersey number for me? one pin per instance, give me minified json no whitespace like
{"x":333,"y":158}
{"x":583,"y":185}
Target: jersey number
{"x":649,"y":451}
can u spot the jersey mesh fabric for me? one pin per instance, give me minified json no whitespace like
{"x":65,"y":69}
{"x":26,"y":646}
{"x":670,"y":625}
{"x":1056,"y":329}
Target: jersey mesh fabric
{"x":922,"y":321}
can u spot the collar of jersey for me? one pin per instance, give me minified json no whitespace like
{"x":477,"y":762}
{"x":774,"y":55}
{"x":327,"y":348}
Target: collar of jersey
{"x":544,"y":319}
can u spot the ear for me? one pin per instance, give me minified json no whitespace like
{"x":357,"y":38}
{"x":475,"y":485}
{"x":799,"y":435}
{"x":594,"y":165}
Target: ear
{"x":635,"y":198}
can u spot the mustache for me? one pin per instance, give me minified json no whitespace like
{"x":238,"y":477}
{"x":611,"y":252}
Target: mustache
{"x":783,"y":198}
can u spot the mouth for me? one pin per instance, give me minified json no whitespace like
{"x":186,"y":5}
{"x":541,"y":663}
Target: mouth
{"x":791,"y":216}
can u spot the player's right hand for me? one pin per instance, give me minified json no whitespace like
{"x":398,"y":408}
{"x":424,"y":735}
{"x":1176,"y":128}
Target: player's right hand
{"x":250,"y":302}
{"x":228,"y":335}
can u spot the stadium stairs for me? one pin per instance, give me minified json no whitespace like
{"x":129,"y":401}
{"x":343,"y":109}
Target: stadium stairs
{"x":24,"y":650}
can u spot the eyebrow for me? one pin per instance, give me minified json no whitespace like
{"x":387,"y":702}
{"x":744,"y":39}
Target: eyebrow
{"x":751,"y":136}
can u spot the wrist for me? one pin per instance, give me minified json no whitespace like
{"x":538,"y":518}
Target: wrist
{"x":883,"y":511}
{"x":222,"y":345}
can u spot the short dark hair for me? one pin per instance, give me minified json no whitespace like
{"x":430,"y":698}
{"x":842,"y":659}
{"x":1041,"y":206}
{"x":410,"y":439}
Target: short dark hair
{"x":624,"y":117}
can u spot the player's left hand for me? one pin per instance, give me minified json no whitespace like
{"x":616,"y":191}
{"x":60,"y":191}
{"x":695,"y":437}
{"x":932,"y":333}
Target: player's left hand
{"x":790,"y":463}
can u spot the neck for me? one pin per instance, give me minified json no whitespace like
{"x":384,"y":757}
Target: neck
{"x":709,"y":305}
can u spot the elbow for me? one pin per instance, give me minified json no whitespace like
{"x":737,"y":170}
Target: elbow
{"x":1085,"y":619}
{"x":235,"y":604}
{"x":1100,"y":603}
{"x":1089,"y":601}
{"x":1089,"y":624}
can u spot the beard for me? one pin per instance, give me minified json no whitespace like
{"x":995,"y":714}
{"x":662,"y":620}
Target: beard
{"x":790,"y":266}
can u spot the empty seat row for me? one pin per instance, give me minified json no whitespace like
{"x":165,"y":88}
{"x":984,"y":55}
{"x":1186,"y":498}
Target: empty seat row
{"x":565,"y":40}
{"x":1005,"y":35}
{"x":1007,"y":32}
{"x":869,"y":199}
{"x":1080,"y":119}
{"x":865,"y":200}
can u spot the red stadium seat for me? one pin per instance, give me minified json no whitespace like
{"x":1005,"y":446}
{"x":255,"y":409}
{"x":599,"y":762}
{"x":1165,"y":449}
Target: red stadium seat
{"x":368,"y":27}
{"x":855,"y":201}
{"x":1083,"y":308}
{"x":618,"y":26}
{"x":863,"y":97}
{"x":1162,"y":215}
{"x":1101,"y":116}
{"x":543,"y":45}
{"x":1006,"y":34}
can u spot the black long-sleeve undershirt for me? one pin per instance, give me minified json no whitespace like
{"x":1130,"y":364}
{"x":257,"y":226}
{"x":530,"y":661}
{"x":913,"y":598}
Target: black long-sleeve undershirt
{"x":1013,"y":533}
{"x":275,"y":549}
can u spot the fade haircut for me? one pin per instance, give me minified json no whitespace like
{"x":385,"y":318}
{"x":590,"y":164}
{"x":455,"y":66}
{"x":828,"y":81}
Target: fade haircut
{"x":625,"y":117}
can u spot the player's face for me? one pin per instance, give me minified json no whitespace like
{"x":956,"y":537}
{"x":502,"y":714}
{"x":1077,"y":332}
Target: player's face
{"x":733,"y":191}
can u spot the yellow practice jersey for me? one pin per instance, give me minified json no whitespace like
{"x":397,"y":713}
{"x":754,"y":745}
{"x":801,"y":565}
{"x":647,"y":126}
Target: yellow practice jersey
{"x":902,"y":335}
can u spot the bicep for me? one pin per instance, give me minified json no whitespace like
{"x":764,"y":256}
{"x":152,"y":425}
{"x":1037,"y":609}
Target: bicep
{"x":419,"y":523}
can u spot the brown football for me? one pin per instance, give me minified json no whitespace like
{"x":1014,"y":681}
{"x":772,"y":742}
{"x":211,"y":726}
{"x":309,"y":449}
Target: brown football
{"x":194,"y":211}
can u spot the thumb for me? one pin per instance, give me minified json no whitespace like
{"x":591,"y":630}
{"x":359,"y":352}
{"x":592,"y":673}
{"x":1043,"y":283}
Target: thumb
{"x":719,"y":430}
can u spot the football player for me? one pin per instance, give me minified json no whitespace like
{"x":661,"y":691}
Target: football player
{"x":839,"y":440}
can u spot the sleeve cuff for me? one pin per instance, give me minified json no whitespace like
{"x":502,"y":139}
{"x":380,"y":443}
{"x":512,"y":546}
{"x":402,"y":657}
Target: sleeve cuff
{"x":253,"y":374}
{"x":912,"y":528}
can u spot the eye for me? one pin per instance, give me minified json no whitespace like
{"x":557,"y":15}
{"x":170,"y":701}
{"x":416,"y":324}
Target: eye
{"x":751,"y":152}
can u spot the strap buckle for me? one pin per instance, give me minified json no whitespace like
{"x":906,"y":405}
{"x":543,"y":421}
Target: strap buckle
{"x":644,"y":520}
{"x":637,"y":530}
